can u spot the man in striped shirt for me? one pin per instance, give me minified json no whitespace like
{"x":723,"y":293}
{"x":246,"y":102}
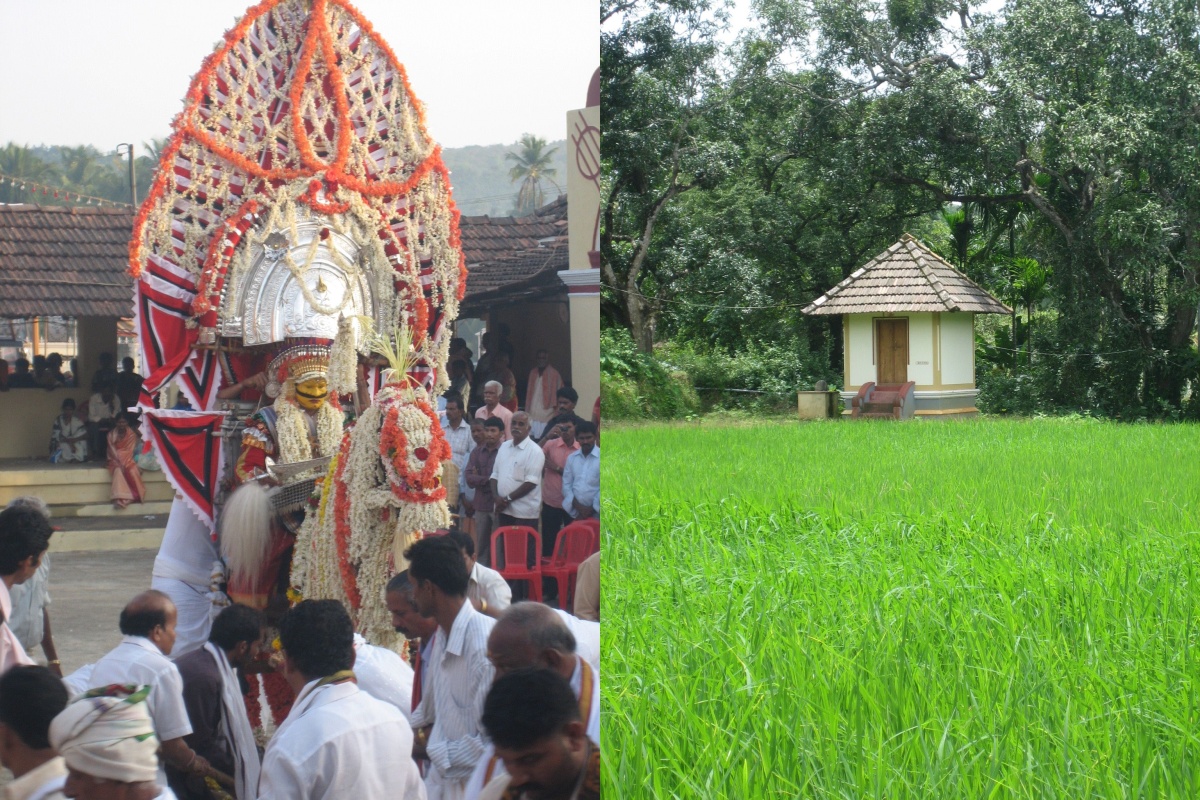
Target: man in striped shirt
{"x":459,"y":671}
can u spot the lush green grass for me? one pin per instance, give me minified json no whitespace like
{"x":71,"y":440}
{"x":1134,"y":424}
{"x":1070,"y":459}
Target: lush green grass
{"x":975,"y":610}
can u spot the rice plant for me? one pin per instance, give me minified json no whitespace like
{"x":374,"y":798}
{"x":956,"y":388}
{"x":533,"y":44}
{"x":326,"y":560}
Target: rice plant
{"x":991,"y":609}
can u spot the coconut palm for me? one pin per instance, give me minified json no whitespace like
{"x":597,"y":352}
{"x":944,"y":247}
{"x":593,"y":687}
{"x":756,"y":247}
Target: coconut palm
{"x":531,"y":164}
{"x":22,"y":162}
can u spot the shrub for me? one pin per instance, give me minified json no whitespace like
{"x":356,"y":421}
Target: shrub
{"x":634,"y":385}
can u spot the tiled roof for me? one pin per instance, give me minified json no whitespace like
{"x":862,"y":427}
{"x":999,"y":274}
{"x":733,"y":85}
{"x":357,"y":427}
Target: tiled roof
{"x":65,"y":261}
{"x":72,"y":261}
{"x":906,"y":277}
{"x":509,"y":257}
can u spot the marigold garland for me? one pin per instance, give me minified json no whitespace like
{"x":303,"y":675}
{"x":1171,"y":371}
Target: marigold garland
{"x":276,"y":113}
{"x":304,"y":114}
{"x":393,"y":447}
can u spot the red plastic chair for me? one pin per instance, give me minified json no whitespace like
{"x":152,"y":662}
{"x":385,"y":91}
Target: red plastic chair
{"x":510,"y":556}
{"x":594,"y":524}
{"x":575,"y":543}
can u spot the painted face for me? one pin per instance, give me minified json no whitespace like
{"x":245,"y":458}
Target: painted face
{"x":311,"y":394}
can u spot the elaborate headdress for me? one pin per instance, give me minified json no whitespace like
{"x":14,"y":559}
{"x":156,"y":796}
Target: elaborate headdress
{"x":299,"y":362}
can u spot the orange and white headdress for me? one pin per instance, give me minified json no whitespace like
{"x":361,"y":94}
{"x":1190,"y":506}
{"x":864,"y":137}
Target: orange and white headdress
{"x":296,"y":364}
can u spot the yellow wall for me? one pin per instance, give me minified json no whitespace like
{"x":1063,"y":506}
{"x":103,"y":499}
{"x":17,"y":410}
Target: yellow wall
{"x":585,"y":351}
{"x":958,"y":348}
{"x":583,"y":220}
{"x":28,"y":415}
{"x":860,"y":348}
{"x":941,"y":350}
{"x":920,"y":348}
{"x":583,"y":183}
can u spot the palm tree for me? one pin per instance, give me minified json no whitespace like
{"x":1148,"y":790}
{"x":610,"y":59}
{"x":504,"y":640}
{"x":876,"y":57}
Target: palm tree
{"x":22,"y":162}
{"x":530,"y":165}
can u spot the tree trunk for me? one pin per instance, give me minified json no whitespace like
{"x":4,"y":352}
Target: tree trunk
{"x":641,"y":323}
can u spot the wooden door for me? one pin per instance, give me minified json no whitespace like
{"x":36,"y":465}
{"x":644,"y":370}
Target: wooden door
{"x":892,"y":348}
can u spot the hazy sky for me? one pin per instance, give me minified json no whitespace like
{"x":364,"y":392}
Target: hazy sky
{"x":102,"y":72}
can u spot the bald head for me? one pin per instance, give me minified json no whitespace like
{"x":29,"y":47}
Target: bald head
{"x":152,"y":616}
{"x":531,"y":635}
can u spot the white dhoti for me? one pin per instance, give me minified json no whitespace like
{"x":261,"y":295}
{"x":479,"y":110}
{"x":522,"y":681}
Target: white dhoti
{"x":183,"y":571}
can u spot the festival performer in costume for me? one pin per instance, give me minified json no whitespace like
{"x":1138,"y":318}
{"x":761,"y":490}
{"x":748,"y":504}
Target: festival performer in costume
{"x":300,"y":193}
{"x":123,"y":442}
{"x":304,"y":423}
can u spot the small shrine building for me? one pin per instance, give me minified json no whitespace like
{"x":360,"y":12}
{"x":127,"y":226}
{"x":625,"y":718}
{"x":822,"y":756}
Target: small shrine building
{"x":908,"y":323}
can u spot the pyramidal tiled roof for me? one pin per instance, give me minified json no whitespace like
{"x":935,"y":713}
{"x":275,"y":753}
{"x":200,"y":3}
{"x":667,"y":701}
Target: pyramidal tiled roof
{"x":906,"y":277}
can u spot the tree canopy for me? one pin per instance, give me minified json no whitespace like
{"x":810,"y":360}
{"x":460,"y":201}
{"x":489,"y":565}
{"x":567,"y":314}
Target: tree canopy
{"x":1047,"y":149}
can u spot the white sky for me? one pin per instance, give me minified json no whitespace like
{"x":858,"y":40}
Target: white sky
{"x":102,"y":72}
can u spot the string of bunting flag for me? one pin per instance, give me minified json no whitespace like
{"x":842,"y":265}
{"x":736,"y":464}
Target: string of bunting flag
{"x":35,"y":189}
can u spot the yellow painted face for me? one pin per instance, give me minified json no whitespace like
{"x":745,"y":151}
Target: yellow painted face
{"x":311,"y":394}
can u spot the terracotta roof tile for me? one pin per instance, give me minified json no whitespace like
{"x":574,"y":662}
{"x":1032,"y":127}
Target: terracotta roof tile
{"x":514,"y":254}
{"x":64,"y":261}
{"x":906,"y":277}
{"x":72,"y":261}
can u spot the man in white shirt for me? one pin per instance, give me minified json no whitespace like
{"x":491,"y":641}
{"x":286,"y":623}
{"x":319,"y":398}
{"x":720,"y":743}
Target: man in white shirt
{"x":24,"y":539}
{"x":107,"y":739}
{"x":517,"y":476}
{"x":581,"y":475}
{"x":487,"y":590}
{"x":148,"y":625}
{"x":30,"y":619}
{"x":531,"y":635}
{"x":337,"y":742}
{"x":458,"y":435}
{"x":460,"y":672}
{"x":30,"y":698}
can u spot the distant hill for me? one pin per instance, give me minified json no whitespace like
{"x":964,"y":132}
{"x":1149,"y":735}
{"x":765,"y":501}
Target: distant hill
{"x":479,"y":175}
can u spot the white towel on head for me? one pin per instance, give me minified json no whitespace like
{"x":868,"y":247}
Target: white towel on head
{"x":107,"y":733}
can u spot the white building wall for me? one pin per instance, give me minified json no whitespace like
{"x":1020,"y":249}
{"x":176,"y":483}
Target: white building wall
{"x":859,"y":350}
{"x":958,"y":348}
{"x":860,"y":344}
{"x":920,"y":348}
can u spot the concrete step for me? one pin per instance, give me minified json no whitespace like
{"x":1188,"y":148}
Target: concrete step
{"x":876,"y":415}
{"x":71,"y":484}
{"x":148,"y":508}
{"x":79,"y":534}
{"x":877,"y":408}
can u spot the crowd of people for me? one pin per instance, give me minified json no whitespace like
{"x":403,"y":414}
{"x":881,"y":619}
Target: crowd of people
{"x":501,"y":699}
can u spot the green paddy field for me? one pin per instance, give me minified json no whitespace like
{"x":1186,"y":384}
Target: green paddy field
{"x":981,"y":609}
